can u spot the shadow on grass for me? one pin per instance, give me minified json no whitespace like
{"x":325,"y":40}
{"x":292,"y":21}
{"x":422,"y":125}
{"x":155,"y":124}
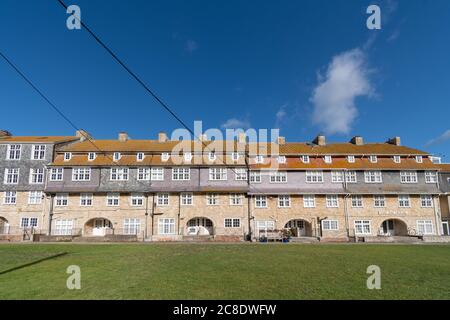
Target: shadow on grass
{"x":33,"y":263}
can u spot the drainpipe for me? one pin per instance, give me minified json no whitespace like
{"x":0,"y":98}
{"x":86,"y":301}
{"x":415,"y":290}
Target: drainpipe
{"x":153,"y":213}
{"x":50,"y":215}
{"x":249,"y":199}
{"x":437,"y":217}
{"x":179,"y":211}
{"x":346,"y":217}
{"x":146,"y":216}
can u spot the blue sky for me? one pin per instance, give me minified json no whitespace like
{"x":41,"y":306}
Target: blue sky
{"x":303,"y":66}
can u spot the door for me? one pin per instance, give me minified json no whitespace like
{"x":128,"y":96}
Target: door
{"x":445,"y":228}
{"x":299,"y":225}
{"x":99,"y":227}
{"x":388,"y":228}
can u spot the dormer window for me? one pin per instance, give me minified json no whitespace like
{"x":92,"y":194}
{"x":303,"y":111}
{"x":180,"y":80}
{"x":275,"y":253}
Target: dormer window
{"x":305,"y":159}
{"x":116,"y":156}
{"x":140,"y":156}
{"x":351,"y":159}
{"x":91,"y":156}
{"x":259,"y":159}
{"x":281,"y":159}
{"x":419,"y":159}
{"x":187,"y":156}
{"x":67,"y":156}
{"x":397,"y":159}
{"x":327,"y":159}
{"x":373,"y":159}
{"x":212,"y":156}
{"x":165,"y":156}
{"x":235,"y":156}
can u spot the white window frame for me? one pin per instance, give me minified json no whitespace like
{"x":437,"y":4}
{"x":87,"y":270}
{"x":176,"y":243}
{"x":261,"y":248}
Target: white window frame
{"x":143,"y":174}
{"x":212,"y":156}
{"x":426,"y":201}
{"x":430,"y":177}
{"x":140,"y":156}
{"x":240,"y":174}
{"x":162,"y":199}
{"x":35,"y":197}
{"x":281,"y":159}
{"x":81,"y":174}
{"x":397,"y":159}
{"x":56,"y":174}
{"x":113,"y":199}
{"x":117,"y":156}
{"x":137,"y":199}
{"x":28,"y":222}
{"x":86,"y":199}
{"x":12,"y":176}
{"x":330,"y":225}
{"x":278,"y":177}
{"x":255,"y":176}
{"x":284,"y":201}
{"x":186,"y":199}
{"x":305,"y":158}
{"x":38,"y":151}
{"x":181,"y":174}
{"x":351,"y":176}
{"x":236,"y":199}
{"x":63,"y":227}
{"x":212,"y":199}
{"x":357,"y":201}
{"x":218,"y":174}
{"x":119,"y":174}
{"x":166,"y":226}
{"x":10,"y":197}
{"x":36,"y":176}
{"x":259,"y":159}
{"x":365,"y":227}
{"x":314,"y":176}
{"x":337,"y":176}
{"x":425,"y":227}
{"x":61,"y":200}
{"x":373,"y":158}
{"x":332,"y":201}
{"x":351,"y":159}
{"x":92,"y":156}
{"x":67,"y":156}
{"x":157,"y":174}
{"x":187,"y":156}
{"x":408,"y":176}
{"x":132,"y":226}
{"x":379,"y":201}
{"x":373,"y":176}
{"x":328,"y":159}
{"x":404,"y":201}
{"x":309,"y":201}
{"x":165,"y":156}
{"x":235,"y":156}
{"x":14,"y":152}
{"x":419,"y":159}
{"x":260,"y":201}
{"x":232,"y":222}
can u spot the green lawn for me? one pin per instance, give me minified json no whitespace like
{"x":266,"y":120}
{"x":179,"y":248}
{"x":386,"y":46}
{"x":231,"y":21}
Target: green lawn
{"x":225,"y":271}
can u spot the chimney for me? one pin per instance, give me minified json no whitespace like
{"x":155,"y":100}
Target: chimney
{"x":123,"y":136}
{"x":83,"y":135}
{"x":357,"y":140}
{"x":202,"y":137}
{"x":162,"y":137}
{"x":320,"y":140}
{"x":281,"y":140}
{"x":5,"y":133}
{"x":395,"y":141}
{"x":242,"y":138}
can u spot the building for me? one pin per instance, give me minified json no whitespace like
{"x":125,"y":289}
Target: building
{"x":164,"y":190}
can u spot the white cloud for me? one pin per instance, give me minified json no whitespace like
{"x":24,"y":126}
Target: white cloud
{"x":347,"y":78}
{"x":280,"y":116}
{"x":191,"y":46}
{"x":442,"y":138}
{"x":234,"y":123}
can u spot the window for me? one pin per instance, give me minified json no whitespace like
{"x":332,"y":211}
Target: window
{"x":187,"y":156}
{"x":408,"y":177}
{"x":379,"y":201}
{"x":35,"y":197}
{"x":373,"y":177}
{"x":232,"y":223}
{"x":212,"y":199}
{"x":373,"y":159}
{"x":131,"y":226}
{"x":284,"y":201}
{"x":419,"y":159}
{"x":260,"y":201}
{"x":119,"y":174}
{"x":350,"y":177}
{"x":36,"y":175}
{"x":143,"y":174}
{"x":397,"y":159}
{"x":357,"y":201}
{"x":13,"y":152}
{"x":281,"y":159}
{"x":337,"y":176}
{"x":327,"y":159}
{"x":212,"y":156}
{"x":137,"y":199}
{"x":265,"y":225}
{"x":181,"y":173}
{"x":217,"y":174}
{"x":330,"y":225}
{"x":11,"y":176}
{"x":351,"y":159}
{"x":314,"y":176}
{"x":61,"y":199}
{"x":165,"y":156}
{"x":305,"y":159}
{"x":430,"y":177}
{"x":28,"y":222}
{"x":10,"y":197}
{"x":112,"y":199}
{"x":157,"y":174}
{"x":332,"y":201}
{"x":362,"y":227}
{"x":63,"y":227}
{"x":140,"y":156}
{"x":166,"y":226}
{"x":162,"y":199}
{"x":86,"y":199}
{"x":236,"y":199}
{"x":38,"y":152}
{"x":309,"y":201}
{"x":56,"y":174}
{"x":81,"y":174}
{"x":426,"y":201}
{"x":404,"y":201}
{"x":278,"y":177}
{"x":240,"y":174}
{"x":186,"y":199}
{"x":255,"y":176}
{"x":425,"y":226}
{"x":91,"y":156}
{"x":259,"y":159}
{"x":116,"y":156}
{"x":67,"y":156}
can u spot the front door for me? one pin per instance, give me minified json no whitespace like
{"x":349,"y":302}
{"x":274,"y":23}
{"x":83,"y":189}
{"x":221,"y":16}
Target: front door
{"x":445,"y":228}
{"x":388,"y":227}
{"x":99,"y":227}
{"x":299,"y":225}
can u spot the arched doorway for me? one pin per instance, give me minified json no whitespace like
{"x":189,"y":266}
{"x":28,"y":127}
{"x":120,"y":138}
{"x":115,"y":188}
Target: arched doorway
{"x":200,"y":226}
{"x":299,"y":228}
{"x":4,"y":226}
{"x":393,"y":227}
{"x":98,"y":227}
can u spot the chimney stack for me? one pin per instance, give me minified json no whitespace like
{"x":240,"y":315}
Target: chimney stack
{"x":281,"y":140}
{"x":320,"y":140}
{"x":83,"y":135}
{"x":395,"y":141}
{"x":123,"y":136}
{"x":5,"y":133}
{"x":203,"y":137}
{"x":357,"y":140}
{"x":162,"y":137}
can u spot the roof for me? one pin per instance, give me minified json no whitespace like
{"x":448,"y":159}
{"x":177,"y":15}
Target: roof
{"x":444,"y":167}
{"x":38,"y":139}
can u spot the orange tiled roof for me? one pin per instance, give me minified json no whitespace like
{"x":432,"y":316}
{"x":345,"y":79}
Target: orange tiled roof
{"x":348,"y":148}
{"x":42,"y":139}
{"x":445,"y":167}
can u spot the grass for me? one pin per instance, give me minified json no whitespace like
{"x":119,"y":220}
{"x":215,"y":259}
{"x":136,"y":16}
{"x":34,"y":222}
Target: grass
{"x":225,"y":271}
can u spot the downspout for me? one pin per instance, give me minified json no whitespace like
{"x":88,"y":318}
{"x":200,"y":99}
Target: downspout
{"x":146,"y":216}
{"x":347,"y":195}
{"x":249,"y":197}
{"x":179,"y":212}
{"x":50,"y":215}
{"x":153,"y":214}
{"x":437,"y":208}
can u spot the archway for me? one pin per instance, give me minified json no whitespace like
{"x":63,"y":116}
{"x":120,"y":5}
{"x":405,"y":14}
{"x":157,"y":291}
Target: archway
{"x":200,"y":226}
{"x":393,"y":227}
{"x":299,"y":228}
{"x":98,"y":227}
{"x":4,"y":226}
